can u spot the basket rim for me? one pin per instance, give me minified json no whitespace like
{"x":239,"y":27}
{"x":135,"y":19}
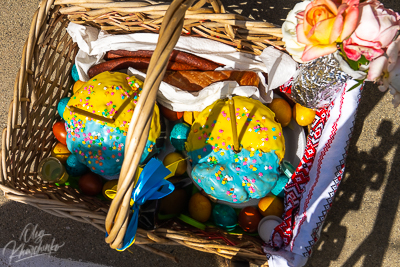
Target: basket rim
{"x":55,"y":206}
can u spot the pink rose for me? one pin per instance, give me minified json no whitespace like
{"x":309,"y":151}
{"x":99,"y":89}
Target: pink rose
{"x":385,"y":70}
{"x":376,"y":30}
{"x":323,"y":24}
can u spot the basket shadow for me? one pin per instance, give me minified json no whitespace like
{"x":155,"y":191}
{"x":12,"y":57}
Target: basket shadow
{"x":268,"y":11}
{"x":80,"y":242}
{"x":365,"y":172}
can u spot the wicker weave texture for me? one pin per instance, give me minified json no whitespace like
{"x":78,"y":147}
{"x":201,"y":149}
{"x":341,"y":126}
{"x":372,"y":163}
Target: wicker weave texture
{"x":44,"y":78}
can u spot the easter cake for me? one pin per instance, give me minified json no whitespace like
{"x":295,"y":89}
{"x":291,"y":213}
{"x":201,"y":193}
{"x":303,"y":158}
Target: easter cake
{"x":97,"y":119}
{"x":236,"y":177}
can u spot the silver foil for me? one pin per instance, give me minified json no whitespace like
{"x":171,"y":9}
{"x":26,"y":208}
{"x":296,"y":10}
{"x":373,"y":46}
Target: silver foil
{"x":318,"y":82}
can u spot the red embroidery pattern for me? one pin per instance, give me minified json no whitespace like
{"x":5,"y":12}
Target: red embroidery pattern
{"x":295,"y":187}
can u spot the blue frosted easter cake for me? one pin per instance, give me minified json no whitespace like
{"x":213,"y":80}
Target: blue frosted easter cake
{"x":231,"y":176}
{"x":97,"y":129}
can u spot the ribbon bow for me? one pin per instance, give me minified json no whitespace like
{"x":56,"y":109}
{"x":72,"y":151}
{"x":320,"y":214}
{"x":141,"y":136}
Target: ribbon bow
{"x":150,"y":185}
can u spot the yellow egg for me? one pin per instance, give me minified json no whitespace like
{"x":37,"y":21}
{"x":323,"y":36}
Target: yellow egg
{"x":77,"y":85}
{"x":271,"y":205}
{"x":199,"y":207}
{"x":61,"y":152}
{"x":282,"y":110}
{"x":174,"y":157}
{"x":109,"y":185}
{"x":303,"y":116}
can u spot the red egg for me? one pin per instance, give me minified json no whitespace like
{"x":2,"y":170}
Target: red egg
{"x":60,"y":133}
{"x":90,"y":184}
{"x":249,"y":218}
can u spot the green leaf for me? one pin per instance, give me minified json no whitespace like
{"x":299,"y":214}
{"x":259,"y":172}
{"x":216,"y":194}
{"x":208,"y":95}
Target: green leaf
{"x":359,"y":82}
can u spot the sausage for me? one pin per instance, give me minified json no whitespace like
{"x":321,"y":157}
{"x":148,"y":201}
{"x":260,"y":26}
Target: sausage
{"x":134,"y":62}
{"x":113,"y":54}
{"x":177,"y":56}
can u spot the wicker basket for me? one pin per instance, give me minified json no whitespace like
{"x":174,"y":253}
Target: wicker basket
{"x":45,"y":77}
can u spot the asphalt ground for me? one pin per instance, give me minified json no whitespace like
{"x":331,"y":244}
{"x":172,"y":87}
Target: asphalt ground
{"x":362,"y":227}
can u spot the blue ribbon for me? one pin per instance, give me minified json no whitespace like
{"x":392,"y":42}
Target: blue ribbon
{"x":150,"y":185}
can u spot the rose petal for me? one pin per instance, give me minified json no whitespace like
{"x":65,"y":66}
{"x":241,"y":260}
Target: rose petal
{"x":301,"y":37}
{"x":323,"y":30}
{"x":350,"y":20}
{"x":376,"y":68}
{"x":337,"y":27}
{"x":313,"y":52}
{"x":331,"y":5}
{"x":386,"y":37}
{"x":354,"y":52}
{"x":393,"y":53}
{"x":358,"y":41}
{"x":351,"y":53}
{"x":306,"y":25}
{"x":368,"y":28}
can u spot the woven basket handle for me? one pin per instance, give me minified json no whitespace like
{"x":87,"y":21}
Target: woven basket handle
{"x":171,"y":29}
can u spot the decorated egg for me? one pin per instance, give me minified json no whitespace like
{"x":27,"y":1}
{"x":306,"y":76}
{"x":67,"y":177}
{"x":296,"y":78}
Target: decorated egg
{"x":224,"y":216}
{"x":199,"y":207}
{"x":249,"y":218}
{"x":173,"y":158}
{"x":179,"y":135}
{"x":59,"y":132}
{"x":74,"y":167}
{"x":267,"y":226}
{"x":61,"y":105}
{"x":271,"y":205}
{"x":74,"y":73}
{"x":90,"y":184}
{"x":61,"y":152}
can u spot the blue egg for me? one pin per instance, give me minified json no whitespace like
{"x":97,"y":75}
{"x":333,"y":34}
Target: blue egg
{"x":224,"y":216}
{"x":74,"y":167}
{"x":278,"y":190}
{"x":61,"y":105}
{"x":74,"y":73}
{"x":179,"y":135}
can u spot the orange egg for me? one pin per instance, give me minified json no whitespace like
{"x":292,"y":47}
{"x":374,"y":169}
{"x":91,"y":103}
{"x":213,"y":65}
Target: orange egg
{"x":59,"y":132}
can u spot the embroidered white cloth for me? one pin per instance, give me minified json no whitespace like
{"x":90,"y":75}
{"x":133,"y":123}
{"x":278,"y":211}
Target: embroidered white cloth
{"x":324,"y":178}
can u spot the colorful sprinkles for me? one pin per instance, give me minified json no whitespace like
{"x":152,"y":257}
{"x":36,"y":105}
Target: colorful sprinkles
{"x":100,"y":144}
{"x":252,"y":172}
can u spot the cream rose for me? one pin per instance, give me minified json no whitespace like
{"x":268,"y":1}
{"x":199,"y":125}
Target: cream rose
{"x":294,"y":48}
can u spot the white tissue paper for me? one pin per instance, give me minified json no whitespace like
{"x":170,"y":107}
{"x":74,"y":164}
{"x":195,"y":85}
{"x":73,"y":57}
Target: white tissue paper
{"x":94,"y":44}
